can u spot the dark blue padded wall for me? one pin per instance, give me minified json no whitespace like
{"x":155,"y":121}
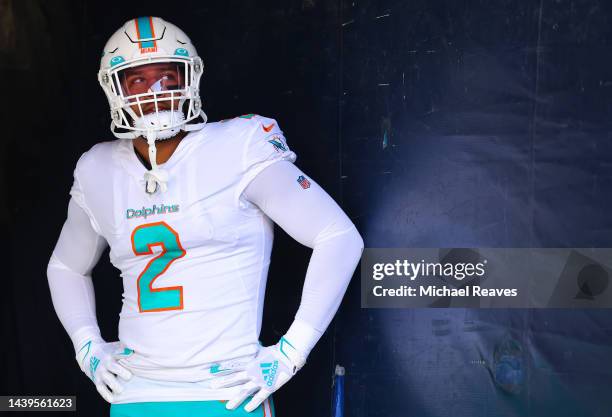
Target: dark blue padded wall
{"x":477,"y":124}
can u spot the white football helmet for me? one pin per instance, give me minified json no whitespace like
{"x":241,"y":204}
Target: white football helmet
{"x":150,"y":72}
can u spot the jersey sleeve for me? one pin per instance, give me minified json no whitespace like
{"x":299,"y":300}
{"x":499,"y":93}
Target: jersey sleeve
{"x":78,"y":194}
{"x":297,"y":204}
{"x":265,"y":145}
{"x":76,"y":252}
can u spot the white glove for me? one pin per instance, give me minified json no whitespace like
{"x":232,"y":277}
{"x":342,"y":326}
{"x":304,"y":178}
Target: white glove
{"x":271,"y":368}
{"x":99,"y":361}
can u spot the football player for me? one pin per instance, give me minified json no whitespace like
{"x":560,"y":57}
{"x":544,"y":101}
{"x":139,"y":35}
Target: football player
{"x":187,"y":208}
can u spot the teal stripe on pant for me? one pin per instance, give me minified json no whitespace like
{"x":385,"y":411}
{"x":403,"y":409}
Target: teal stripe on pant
{"x":213,"y":408}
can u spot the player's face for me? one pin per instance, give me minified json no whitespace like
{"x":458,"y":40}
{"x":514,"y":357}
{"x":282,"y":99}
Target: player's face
{"x":160,"y":78}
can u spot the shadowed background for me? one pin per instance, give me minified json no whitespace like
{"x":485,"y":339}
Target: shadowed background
{"x":432,"y":123}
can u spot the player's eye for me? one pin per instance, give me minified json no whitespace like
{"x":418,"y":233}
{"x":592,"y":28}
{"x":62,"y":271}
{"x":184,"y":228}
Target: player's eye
{"x":134,"y":82}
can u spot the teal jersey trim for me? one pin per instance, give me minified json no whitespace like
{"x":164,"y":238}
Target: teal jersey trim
{"x":213,"y":408}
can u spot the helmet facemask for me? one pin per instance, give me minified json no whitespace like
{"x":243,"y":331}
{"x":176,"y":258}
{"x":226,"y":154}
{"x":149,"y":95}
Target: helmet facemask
{"x":156,"y":95}
{"x":153,"y":95}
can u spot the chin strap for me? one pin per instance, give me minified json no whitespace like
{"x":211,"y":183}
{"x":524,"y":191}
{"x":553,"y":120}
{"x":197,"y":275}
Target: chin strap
{"x":155,"y":176}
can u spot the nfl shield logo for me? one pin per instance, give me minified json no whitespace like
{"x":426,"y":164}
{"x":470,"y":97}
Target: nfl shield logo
{"x":303,"y":182}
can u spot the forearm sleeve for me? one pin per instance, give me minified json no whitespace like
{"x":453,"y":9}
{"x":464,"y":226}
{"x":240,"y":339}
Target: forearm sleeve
{"x":308,"y":214}
{"x":76,"y":252}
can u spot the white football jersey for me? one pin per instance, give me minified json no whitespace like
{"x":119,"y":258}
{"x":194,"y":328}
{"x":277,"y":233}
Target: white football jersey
{"x":194,"y":259}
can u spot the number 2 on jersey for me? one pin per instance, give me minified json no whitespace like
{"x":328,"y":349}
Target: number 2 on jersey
{"x":144,"y":237}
